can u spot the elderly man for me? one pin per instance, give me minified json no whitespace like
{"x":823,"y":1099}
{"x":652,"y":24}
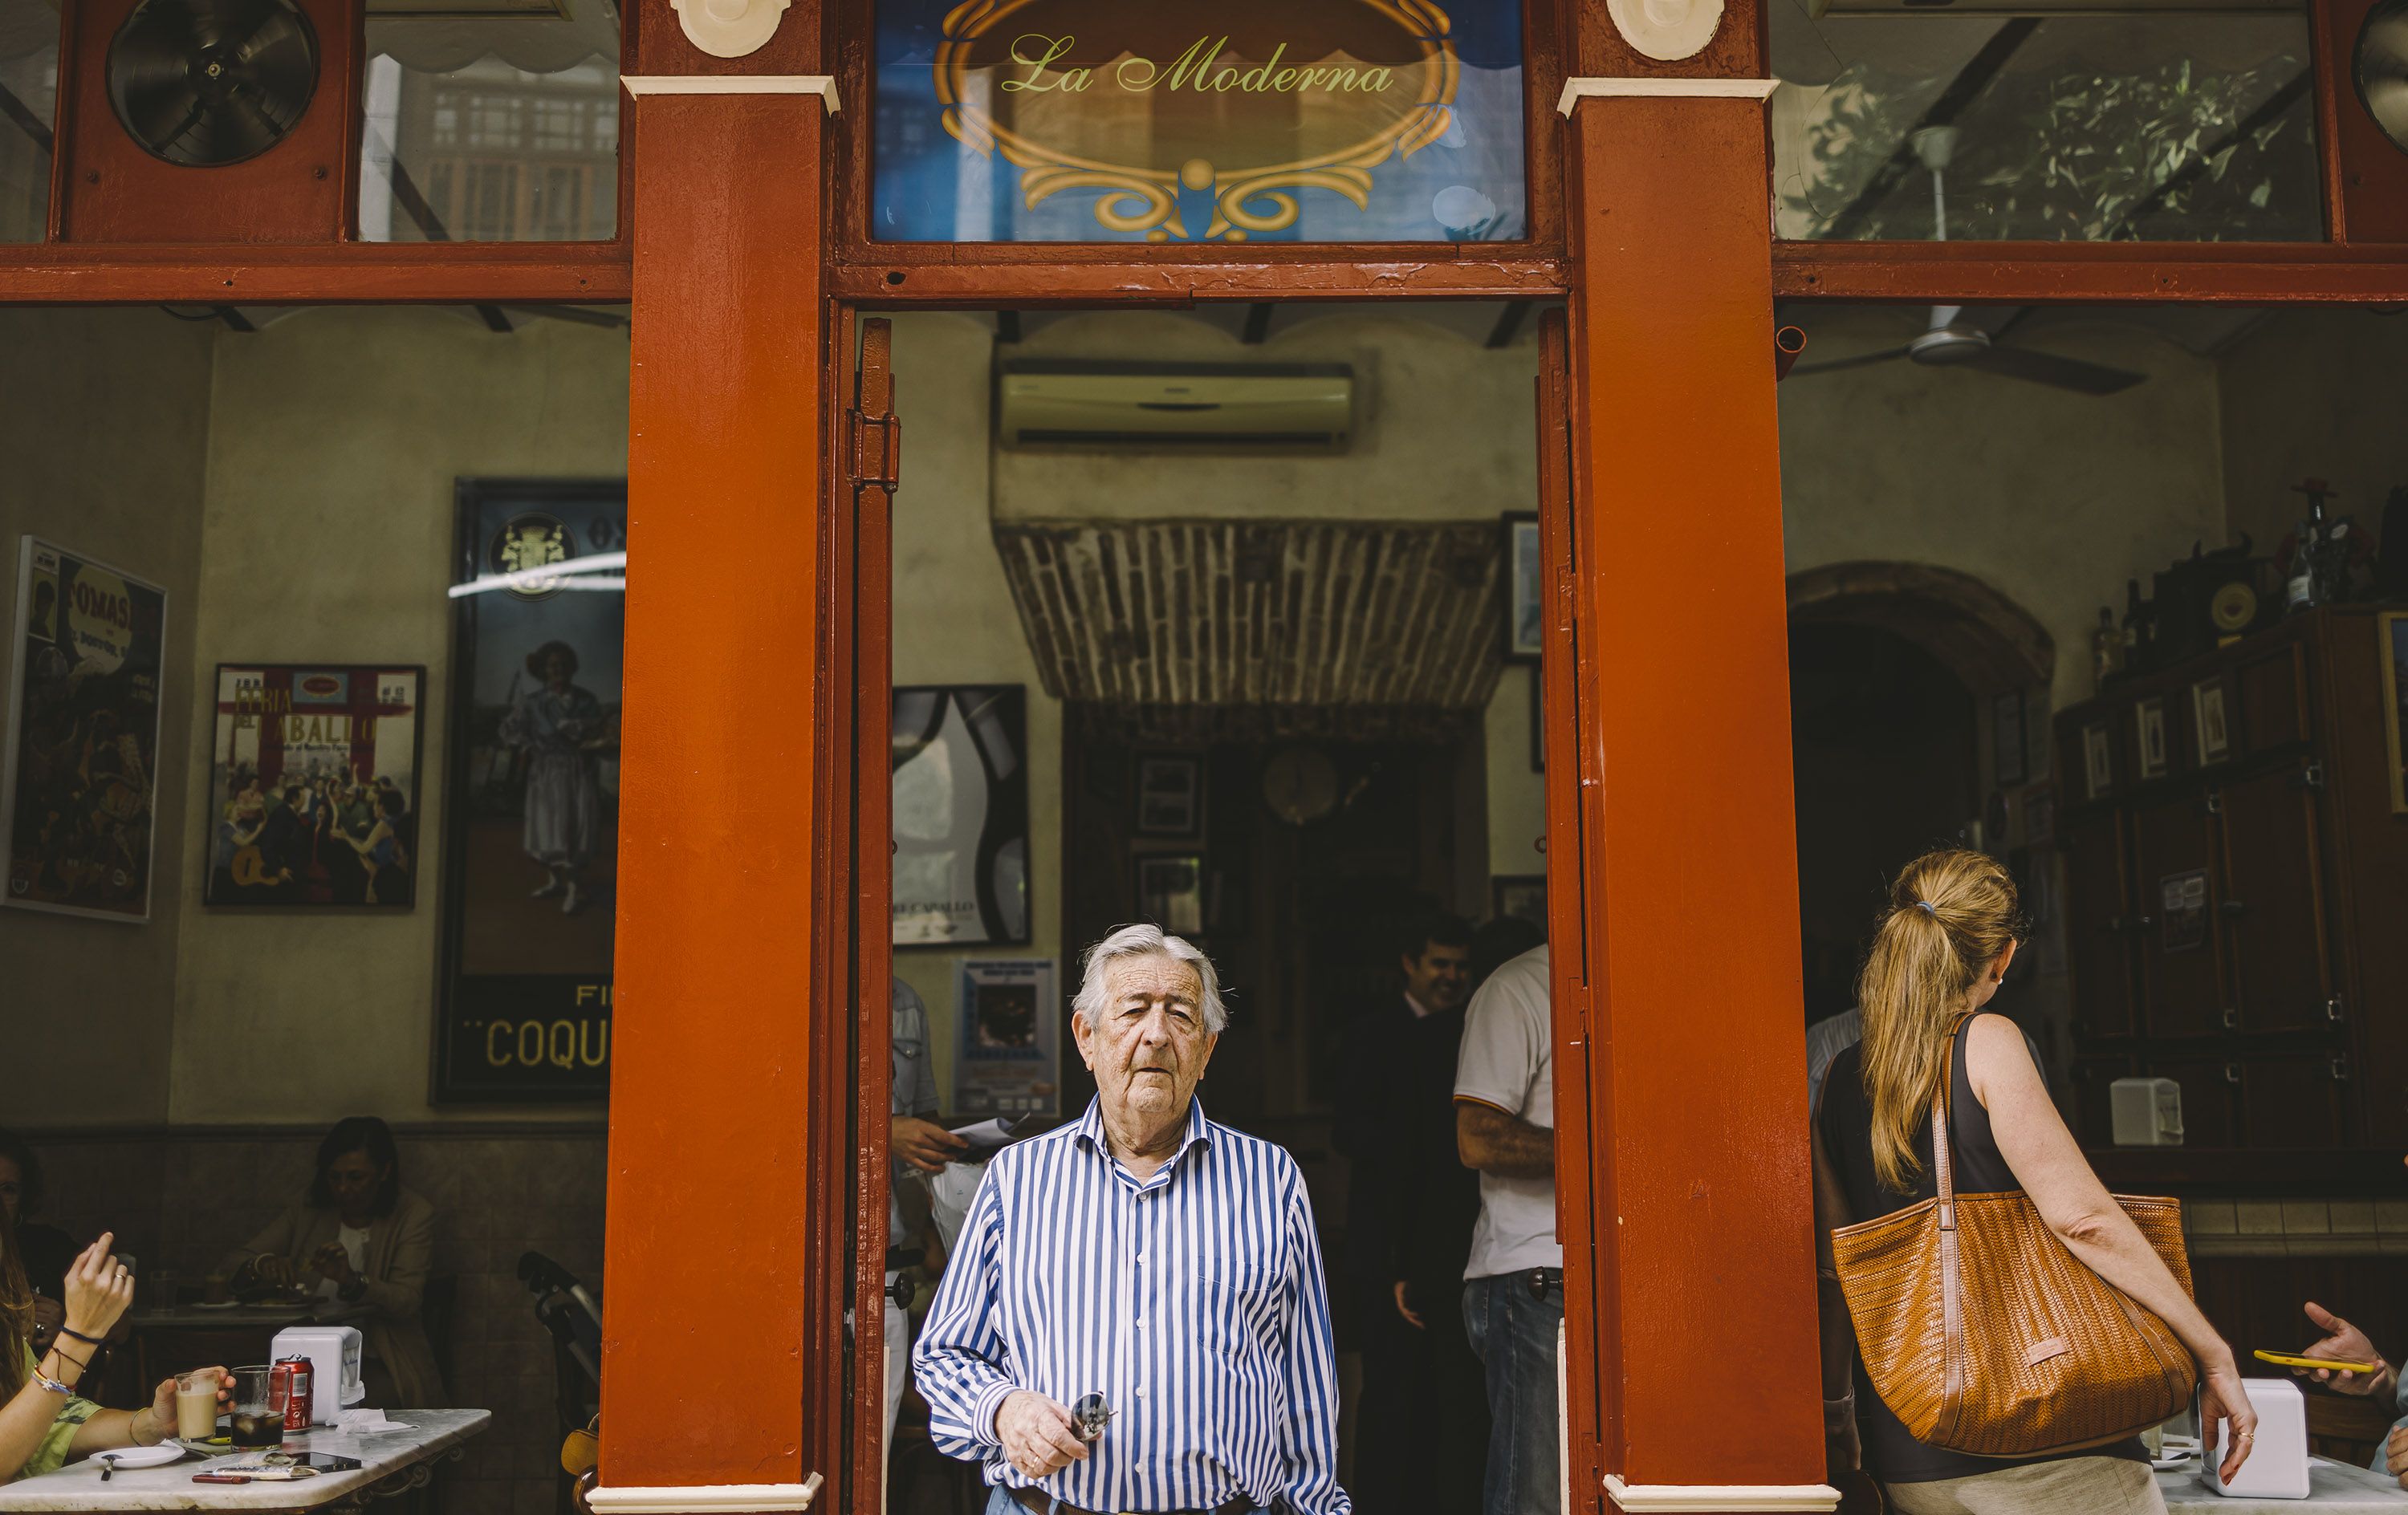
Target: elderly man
{"x":1149,"y":1256}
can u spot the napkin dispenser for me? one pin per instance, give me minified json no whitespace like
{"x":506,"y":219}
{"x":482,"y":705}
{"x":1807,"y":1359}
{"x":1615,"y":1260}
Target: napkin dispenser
{"x":2278,"y":1467}
{"x":333,"y":1354}
{"x":2146,"y":1112}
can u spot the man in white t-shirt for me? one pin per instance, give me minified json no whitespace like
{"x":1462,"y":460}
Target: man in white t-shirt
{"x":1513,"y":1285}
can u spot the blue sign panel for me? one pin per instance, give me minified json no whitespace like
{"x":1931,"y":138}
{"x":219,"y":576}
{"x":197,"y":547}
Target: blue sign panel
{"x":1106,"y":121}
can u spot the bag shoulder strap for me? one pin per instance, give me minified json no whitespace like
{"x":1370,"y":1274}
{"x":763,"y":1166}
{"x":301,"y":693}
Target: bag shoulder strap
{"x":1952,"y":1316}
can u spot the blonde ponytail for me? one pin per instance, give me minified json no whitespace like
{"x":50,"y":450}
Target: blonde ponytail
{"x":1951,"y":914}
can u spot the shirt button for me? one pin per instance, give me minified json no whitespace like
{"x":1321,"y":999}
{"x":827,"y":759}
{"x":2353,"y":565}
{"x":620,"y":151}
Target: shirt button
{"x":1141,"y":1257}
{"x":1140,"y":1391}
{"x":1140,"y":1323}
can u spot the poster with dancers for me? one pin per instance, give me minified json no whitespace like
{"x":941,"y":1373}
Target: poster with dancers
{"x":80,"y":774}
{"x":532,"y":793}
{"x":313,"y":785}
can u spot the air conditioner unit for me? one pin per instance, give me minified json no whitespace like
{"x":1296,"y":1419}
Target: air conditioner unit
{"x":1175,"y":407}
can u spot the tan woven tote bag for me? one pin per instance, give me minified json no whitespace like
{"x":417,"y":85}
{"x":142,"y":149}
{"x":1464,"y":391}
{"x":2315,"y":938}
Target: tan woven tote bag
{"x":1984,"y":1335}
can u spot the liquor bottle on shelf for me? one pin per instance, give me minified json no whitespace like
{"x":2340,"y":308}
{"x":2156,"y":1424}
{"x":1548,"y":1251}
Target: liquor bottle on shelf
{"x":2305,"y":589}
{"x":2139,"y":635}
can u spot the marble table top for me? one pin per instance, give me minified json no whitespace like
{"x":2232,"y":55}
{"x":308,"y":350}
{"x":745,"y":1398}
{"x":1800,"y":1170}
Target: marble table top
{"x":391,"y":1455}
{"x":2333,"y":1487}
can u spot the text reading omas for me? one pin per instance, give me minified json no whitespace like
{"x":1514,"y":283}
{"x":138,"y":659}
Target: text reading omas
{"x":1199,"y":68}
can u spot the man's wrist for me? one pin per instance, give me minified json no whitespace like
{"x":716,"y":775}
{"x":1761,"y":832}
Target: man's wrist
{"x":148,"y":1417}
{"x":350,"y":1289}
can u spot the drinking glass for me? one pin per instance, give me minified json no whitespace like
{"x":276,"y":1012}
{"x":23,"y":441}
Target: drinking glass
{"x":255,"y":1423}
{"x":196,"y":1405}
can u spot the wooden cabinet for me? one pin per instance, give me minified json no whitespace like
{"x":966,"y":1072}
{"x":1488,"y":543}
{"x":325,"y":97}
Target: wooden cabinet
{"x":2236,"y":890}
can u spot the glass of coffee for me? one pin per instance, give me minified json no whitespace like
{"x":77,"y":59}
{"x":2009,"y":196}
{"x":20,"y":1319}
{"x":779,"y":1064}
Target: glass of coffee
{"x":255,"y":1421}
{"x":196,"y":1405}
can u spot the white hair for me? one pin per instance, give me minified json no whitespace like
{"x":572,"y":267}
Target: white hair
{"x":1146,"y":941}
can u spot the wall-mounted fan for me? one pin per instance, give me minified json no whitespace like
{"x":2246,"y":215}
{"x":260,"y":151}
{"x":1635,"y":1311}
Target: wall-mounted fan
{"x":2379,"y":64}
{"x":206,"y":82}
{"x":1951,"y":341}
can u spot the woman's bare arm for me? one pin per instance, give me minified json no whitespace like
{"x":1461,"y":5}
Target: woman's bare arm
{"x":2049,"y":1165}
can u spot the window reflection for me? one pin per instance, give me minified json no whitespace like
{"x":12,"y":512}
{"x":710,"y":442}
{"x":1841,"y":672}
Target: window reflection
{"x":2153,"y":124}
{"x":491,"y":127}
{"x":29,"y":87}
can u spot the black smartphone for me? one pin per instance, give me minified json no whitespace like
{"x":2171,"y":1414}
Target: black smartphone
{"x":329,"y":1463}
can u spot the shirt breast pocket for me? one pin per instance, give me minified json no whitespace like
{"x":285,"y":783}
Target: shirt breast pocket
{"x":1239,"y":1305}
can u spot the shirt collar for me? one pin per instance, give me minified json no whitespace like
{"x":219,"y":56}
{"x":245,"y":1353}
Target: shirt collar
{"x":1090,"y":1130}
{"x":1421,"y":1012}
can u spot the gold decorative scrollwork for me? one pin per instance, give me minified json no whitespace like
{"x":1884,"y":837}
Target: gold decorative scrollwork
{"x":1247,"y":199}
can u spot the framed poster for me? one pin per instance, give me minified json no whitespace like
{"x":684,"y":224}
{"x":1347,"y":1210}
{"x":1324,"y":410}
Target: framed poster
{"x":313,"y":784}
{"x":1521,"y":895}
{"x":1524,"y":614}
{"x":1010,"y":1057}
{"x":1170,"y":795}
{"x":80,"y":771}
{"x":2207,"y":719}
{"x":2007,"y":738}
{"x":2097,"y":760}
{"x":531,"y":790}
{"x":2393,"y":627}
{"x":1170,"y":892}
{"x":960,"y":815}
{"x":2149,"y":729}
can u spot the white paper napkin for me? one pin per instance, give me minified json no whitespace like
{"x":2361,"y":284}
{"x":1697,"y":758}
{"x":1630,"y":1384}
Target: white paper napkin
{"x":364,"y":1422}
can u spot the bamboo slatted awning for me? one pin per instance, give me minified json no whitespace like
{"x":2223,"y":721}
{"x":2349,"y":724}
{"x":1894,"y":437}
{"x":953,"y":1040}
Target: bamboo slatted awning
{"x":1242,"y":627}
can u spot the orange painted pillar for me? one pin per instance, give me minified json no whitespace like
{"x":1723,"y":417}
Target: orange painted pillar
{"x":706,"y":1378}
{"x":1696,"y":1067}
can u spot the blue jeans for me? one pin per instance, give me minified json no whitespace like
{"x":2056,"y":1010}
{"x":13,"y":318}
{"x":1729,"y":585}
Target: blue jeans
{"x":999,"y":1502}
{"x":1513,"y":1334}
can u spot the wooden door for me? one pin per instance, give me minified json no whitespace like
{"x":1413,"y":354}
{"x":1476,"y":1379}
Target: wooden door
{"x":2211,"y":1086}
{"x":2279,"y":960}
{"x":2176,"y":896}
{"x":2273,"y":692}
{"x":869,"y":438}
{"x":2098,"y":923}
{"x":2298,"y":1101}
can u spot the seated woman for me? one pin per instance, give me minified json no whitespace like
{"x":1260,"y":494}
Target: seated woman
{"x":1941,"y":950}
{"x":44,"y":1424}
{"x":363,"y":1241}
{"x":44,"y":1251}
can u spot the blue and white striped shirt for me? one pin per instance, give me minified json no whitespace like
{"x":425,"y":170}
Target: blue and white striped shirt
{"x":1193,"y":1301}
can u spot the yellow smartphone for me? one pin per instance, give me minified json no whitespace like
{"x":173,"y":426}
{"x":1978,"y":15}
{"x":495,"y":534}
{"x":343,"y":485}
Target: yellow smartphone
{"x":2331,"y":1365}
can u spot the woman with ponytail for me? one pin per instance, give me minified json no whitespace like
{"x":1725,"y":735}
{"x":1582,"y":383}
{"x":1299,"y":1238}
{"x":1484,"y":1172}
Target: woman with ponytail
{"x":1941,"y":949}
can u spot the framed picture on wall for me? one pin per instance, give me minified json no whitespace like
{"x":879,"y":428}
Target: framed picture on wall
{"x":2149,"y":733}
{"x":79,"y":778}
{"x":530,"y":796}
{"x":960,"y":760}
{"x":2007,"y":738}
{"x":1525,"y":617}
{"x":1521,"y":895}
{"x":2208,"y":721}
{"x":2393,"y":627}
{"x":2097,"y":760}
{"x":1170,"y":795}
{"x":313,"y":785}
{"x":1170,"y":892}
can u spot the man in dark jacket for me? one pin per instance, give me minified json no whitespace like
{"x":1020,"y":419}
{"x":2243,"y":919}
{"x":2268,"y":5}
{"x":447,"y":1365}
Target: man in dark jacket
{"x":1410,"y":1204}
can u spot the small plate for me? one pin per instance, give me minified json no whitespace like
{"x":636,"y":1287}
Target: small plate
{"x":129,"y":1457}
{"x":218,"y":1446}
{"x":216,"y":1303}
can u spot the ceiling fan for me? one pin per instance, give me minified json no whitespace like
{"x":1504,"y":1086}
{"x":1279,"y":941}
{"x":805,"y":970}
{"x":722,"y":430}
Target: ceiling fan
{"x":1951,"y":341}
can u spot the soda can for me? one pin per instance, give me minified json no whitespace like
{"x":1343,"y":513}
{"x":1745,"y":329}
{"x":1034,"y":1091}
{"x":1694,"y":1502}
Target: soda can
{"x":289,"y":1391}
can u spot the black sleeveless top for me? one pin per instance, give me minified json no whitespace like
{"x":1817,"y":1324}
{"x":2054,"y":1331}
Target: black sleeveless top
{"x":1892,"y":1455}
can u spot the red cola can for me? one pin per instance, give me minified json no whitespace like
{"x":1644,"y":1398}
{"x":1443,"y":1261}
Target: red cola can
{"x":288,"y":1390}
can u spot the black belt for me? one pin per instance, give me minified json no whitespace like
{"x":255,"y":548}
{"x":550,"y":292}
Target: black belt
{"x":1540,"y":1279}
{"x":1037,"y":1502}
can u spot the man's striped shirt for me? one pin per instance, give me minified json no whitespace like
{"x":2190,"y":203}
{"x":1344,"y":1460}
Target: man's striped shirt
{"x":1193,"y":1301}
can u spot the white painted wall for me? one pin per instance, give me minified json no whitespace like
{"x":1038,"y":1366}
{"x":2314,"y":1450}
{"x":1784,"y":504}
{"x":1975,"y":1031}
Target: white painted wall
{"x":2053,"y":499}
{"x":104,"y":420}
{"x":956,"y":622}
{"x":2314,"y":392}
{"x":336,"y":435}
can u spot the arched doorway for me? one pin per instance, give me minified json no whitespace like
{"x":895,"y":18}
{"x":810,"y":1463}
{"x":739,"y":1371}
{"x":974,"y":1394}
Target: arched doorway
{"x":1896,"y":674}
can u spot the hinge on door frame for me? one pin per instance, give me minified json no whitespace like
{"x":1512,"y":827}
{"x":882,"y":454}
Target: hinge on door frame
{"x":2312,"y":774}
{"x":874,"y":444}
{"x":2333,"y":1009}
{"x":2216,"y":802}
{"x":2341,"y":1070}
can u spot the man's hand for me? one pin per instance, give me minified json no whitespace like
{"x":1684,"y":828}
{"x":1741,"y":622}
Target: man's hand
{"x":1036,"y":1433}
{"x":1404,"y":1292}
{"x":2395,"y":1453}
{"x":923,"y":1144}
{"x":332,"y":1263}
{"x":2348,"y":1343}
